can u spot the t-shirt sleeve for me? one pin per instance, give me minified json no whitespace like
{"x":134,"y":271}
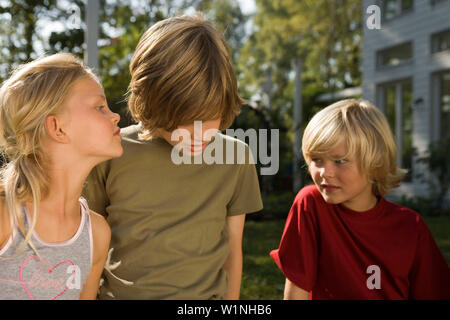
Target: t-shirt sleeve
{"x":429,"y":275}
{"x":94,"y":190}
{"x":297,"y":255}
{"x":247,"y":195}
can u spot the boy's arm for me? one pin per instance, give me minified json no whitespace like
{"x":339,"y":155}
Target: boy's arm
{"x":233,"y":264}
{"x":246,"y":199}
{"x":101,"y":234}
{"x":429,"y":275}
{"x":292,"y":292}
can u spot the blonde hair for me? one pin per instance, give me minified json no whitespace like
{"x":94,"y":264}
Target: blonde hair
{"x":34,"y":91}
{"x":367,"y":135}
{"x":182,"y":71}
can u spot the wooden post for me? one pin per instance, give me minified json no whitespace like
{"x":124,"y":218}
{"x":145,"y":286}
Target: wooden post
{"x":297,"y":177}
{"x":91,"y":34}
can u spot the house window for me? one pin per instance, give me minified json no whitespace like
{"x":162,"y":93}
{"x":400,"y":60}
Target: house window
{"x":396,"y":102}
{"x":444,"y":101}
{"x":440,"y":41}
{"x":440,"y":97}
{"x":435,"y":2}
{"x":394,"y":8}
{"x":395,"y":56}
{"x":445,"y":104}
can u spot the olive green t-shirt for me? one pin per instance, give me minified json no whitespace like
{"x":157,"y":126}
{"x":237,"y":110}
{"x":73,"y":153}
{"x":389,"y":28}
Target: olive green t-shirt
{"x":168,"y":221}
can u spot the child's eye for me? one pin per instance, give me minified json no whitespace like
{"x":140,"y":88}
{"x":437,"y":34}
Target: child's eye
{"x":340,"y":161}
{"x":100,"y":108}
{"x":316,"y":160}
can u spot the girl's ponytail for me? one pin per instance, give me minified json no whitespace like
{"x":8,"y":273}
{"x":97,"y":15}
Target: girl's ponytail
{"x":23,"y":177}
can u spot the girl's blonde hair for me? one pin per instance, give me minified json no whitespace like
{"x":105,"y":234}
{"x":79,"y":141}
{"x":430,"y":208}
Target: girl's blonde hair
{"x":34,"y":91}
{"x":182,"y":71}
{"x":367,"y":135}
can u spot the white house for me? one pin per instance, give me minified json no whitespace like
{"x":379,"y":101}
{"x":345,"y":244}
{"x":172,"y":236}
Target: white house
{"x":406,"y":73}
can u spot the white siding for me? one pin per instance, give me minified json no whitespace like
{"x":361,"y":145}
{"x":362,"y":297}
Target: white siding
{"x":417,"y":26}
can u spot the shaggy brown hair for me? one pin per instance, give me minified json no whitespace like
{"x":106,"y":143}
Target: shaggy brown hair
{"x":181,"y":72}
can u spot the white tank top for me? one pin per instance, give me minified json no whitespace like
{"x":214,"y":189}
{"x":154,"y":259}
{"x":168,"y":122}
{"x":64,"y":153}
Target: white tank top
{"x":59,"y":274}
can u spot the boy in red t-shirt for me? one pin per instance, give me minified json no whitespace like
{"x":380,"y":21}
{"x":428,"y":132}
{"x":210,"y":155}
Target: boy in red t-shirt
{"x":342,"y":238}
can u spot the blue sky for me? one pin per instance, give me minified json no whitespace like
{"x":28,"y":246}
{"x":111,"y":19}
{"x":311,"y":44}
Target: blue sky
{"x":247,"y":6}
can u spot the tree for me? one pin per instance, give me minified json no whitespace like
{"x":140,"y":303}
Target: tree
{"x":326,"y":34}
{"x":228,"y":18}
{"x":19,"y":34}
{"x":437,"y":158}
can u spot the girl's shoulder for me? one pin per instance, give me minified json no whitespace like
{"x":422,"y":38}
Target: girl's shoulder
{"x":4,"y":216}
{"x":101,"y":234}
{"x":5,"y":226}
{"x":100,"y":228}
{"x":3,"y":205}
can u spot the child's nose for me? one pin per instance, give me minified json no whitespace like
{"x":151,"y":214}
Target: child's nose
{"x":327,"y":171}
{"x":115,"y":117}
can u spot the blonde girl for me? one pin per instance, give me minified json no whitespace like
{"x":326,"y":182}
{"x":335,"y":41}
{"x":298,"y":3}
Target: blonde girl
{"x":55,"y":126}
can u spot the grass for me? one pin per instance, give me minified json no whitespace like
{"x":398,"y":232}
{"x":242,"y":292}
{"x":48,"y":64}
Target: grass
{"x":262,"y":280}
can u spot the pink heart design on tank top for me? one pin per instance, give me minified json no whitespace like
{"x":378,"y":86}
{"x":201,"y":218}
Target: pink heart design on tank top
{"x":46,"y":273}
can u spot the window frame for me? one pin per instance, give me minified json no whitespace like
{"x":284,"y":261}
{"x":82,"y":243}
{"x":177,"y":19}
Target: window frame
{"x":401,"y":12}
{"x":434,"y":3}
{"x":398,"y":131}
{"x":379,"y":53}
{"x":435,"y":41}
{"x":436,"y":106}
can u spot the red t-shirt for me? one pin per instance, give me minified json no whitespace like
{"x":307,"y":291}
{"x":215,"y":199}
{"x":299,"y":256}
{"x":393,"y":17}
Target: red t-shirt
{"x":336,"y":253}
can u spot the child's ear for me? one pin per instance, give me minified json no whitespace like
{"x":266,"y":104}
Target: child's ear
{"x":55,"y":130}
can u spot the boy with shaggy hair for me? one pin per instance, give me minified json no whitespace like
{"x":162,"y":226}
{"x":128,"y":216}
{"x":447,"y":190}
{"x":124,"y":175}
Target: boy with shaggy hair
{"x":342,"y":238}
{"x":176,"y":229}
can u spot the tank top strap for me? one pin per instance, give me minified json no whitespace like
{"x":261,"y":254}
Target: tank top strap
{"x":84,"y":205}
{"x":87,"y":225}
